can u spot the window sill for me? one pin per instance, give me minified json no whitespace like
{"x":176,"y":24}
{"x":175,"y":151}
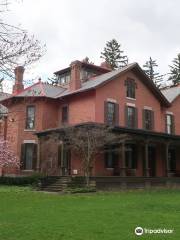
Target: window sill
{"x":29,"y":130}
{"x":24,"y":170}
{"x":131,"y":98}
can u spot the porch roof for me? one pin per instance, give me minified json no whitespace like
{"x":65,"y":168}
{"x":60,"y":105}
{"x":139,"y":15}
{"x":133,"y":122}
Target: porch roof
{"x":149,"y":135}
{"x":144,"y":134}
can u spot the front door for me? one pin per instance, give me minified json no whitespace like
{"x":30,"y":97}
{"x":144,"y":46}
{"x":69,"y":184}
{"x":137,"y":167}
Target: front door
{"x":66,"y":165}
{"x":64,"y":160}
{"x":152,"y":160}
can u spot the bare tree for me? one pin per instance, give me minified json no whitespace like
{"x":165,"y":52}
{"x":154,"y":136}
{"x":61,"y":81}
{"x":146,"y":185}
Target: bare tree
{"x":89,"y":140}
{"x":16,"y":46}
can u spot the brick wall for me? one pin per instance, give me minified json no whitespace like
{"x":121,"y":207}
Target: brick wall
{"x":175,"y":109}
{"x":116,"y":90}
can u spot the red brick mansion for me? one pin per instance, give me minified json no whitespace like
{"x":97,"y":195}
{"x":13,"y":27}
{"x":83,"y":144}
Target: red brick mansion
{"x":125,"y":99}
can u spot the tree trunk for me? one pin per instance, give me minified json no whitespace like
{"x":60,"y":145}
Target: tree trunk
{"x":87,"y":178}
{"x":1,"y":171}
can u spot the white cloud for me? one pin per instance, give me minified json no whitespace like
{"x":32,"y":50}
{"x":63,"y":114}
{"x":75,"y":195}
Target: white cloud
{"x":75,"y":29}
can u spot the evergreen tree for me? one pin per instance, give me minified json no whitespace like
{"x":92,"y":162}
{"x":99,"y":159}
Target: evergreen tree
{"x":149,"y":69}
{"x":113,"y":55}
{"x":175,"y":70}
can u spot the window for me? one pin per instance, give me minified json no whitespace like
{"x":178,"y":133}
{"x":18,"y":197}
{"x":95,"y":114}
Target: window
{"x":148,"y":119}
{"x":111,"y":113}
{"x":30,"y":117}
{"x":64,"y":114}
{"x":63,"y":79}
{"x":131,"y":117}
{"x":169,"y":123}
{"x":86,"y":74}
{"x":110,"y":157}
{"x":28,"y":156}
{"x":130,"y":88}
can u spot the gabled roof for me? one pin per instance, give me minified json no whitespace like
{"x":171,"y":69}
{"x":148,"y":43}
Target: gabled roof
{"x":97,"y":81}
{"x":41,"y":89}
{"x":104,"y":78}
{"x":171,"y":93}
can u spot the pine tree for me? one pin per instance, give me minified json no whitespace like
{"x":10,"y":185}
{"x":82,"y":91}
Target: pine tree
{"x":175,"y":70}
{"x":113,"y":55}
{"x":149,"y":69}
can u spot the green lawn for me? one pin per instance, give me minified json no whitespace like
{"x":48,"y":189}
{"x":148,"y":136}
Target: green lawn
{"x":26,"y":214}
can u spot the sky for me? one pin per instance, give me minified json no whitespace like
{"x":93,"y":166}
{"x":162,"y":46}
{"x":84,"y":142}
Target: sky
{"x":74,"y":29}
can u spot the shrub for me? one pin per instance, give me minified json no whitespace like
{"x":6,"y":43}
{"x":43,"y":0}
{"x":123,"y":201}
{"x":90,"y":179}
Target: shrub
{"x":81,"y":190}
{"x":20,"y":181}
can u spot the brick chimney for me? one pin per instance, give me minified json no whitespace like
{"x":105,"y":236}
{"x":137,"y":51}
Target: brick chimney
{"x":18,"y":86}
{"x":75,"y":82}
{"x":106,"y":65}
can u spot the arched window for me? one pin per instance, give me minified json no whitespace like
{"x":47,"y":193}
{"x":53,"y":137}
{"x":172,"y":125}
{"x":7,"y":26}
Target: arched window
{"x":130,"y":88}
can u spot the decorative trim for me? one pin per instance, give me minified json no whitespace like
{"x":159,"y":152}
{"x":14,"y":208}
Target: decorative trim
{"x":29,"y":130}
{"x":131,"y":104}
{"x":170,"y":113}
{"x":111,"y":100}
{"x":147,"y":108}
{"x":134,"y":99}
{"x":29,"y":141}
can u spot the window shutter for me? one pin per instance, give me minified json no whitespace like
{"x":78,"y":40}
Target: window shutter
{"x":59,"y":154}
{"x":34,"y":156}
{"x":105,"y":112}
{"x":23,"y":159}
{"x":117,"y":114}
{"x":152,"y":120}
{"x":126,"y":116}
{"x":166,"y":123}
{"x":136,"y":118}
{"x":173,"y":124}
{"x":143,"y":118}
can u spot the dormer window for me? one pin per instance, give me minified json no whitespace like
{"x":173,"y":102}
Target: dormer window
{"x":63,"y":79}
{"x":130,"y":88}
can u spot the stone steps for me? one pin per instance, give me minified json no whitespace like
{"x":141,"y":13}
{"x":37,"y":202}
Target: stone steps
{"x":58,"y":185}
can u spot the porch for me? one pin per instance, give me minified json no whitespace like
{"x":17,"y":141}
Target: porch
{"x":148,"y":154}
{"x":144,"y":154}
{"x":118,"y":183}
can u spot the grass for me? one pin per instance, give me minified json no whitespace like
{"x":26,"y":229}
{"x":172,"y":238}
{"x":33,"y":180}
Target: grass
{"x":30,"y":215}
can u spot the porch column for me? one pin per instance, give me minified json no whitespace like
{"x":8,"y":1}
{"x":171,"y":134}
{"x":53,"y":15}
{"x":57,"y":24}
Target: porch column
{"x":38,"y":155}
{"x":62,"y":158}
{"x":147,"y":173}
{"x":123,"y":163}
{"x":167,"y":159}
